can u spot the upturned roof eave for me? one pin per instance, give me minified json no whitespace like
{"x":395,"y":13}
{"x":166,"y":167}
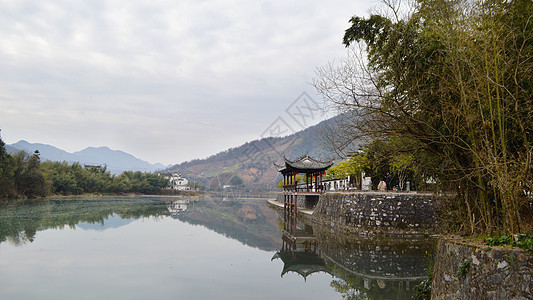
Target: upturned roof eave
{"x":307,"y":164}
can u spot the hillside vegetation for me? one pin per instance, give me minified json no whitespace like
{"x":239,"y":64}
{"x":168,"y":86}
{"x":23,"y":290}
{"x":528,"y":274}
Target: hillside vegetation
{"x":252,"y":162}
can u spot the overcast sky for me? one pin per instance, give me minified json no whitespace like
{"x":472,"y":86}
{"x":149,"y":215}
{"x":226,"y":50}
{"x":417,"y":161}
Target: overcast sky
{"x":166,"y":81}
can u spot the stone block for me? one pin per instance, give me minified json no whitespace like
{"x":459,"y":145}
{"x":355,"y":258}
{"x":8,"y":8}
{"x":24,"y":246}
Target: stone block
{"x":495,"y":254}
{"x":503,"y":264}
{"x":495,"y":278}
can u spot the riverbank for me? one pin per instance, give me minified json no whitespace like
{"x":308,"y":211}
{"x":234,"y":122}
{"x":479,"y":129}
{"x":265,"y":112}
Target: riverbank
{"x":463,"y":269}
{"x":371,"y":213}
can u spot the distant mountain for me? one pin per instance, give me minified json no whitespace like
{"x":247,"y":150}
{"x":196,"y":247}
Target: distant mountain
{"x":47,"y":152}
{"x":116,"y":161}
{"x":11,"y":149}
{"x":253,"y":161}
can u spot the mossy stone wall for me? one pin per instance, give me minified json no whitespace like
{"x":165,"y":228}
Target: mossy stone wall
{"x":466,"y":271}
{"x":378,"y":213}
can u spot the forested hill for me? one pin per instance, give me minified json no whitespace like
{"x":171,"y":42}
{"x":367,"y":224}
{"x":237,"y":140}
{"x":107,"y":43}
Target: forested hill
{"x":116,"y":161}
{"x":250,"y":166}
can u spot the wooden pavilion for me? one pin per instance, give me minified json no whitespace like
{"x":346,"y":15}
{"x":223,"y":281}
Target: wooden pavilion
{"x":312,"y":168}
{"x":310,"y":189}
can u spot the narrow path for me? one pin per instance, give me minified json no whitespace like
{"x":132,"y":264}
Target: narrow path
{"x":306,"y":211}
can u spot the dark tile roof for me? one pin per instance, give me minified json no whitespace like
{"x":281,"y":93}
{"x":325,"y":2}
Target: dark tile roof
{"x":308,"y":163}
{"x":304,"y":164}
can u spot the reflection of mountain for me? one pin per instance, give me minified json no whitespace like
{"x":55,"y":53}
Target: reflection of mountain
{"x":112,"y":221}
{"x":19,"y":223}
{"x":249,"y":221}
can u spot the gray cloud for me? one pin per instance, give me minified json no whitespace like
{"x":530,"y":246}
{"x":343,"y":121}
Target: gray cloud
{"x":164,"y":80}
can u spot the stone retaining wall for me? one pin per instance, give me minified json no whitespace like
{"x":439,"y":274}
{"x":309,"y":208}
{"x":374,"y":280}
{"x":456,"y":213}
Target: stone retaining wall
{"x":378,"y":213}
{"x":465,"y":271}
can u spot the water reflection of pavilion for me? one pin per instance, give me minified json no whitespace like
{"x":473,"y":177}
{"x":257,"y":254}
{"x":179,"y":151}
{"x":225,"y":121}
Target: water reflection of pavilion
{"x":380,"y":268}
{"x":301,"y":257}
{"x":299,"y":251}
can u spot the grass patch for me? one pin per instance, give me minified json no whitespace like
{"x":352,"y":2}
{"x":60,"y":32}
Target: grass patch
{"x":463,"y":270}
{"x":522,"y":241}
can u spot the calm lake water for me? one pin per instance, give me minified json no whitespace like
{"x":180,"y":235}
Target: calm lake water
{"x":197,"y":248}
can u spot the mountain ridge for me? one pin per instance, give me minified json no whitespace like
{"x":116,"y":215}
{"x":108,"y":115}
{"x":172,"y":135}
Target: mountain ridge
{"x":252,"y":162}
{"x":248,"y":166}
{"x":116,"y":161}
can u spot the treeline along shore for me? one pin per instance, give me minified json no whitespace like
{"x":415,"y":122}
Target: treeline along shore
{"x":23,"y":175}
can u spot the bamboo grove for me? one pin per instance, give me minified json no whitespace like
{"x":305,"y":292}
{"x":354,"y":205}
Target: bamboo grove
{"x":453,"y":81}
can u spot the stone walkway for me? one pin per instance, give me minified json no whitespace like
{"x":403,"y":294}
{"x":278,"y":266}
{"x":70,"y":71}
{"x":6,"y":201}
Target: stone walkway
{"x":300,"y":209}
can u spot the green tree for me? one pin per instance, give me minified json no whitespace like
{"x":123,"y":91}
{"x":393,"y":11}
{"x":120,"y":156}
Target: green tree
{"x":352,"y":166}
{"x":7,"y":184}
{"x":236,"y":181}
{"x":452,"y":79}
{"x":23,"y":175}
{"x":29,"y":179}
{"x":63,"y":178}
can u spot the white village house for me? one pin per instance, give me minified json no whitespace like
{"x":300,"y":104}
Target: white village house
{"x":177,"y":182}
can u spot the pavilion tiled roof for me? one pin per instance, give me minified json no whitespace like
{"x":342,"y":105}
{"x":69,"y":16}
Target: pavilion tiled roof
{"x":307,"y":162}
{"x":280,"y":168}
{"x":304,"y":164}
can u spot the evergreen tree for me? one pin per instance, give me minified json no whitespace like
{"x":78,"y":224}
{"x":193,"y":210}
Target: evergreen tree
{"x":6,"y":179}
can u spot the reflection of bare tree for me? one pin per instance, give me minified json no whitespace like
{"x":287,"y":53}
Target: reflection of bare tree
{"x":347,"y":291}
